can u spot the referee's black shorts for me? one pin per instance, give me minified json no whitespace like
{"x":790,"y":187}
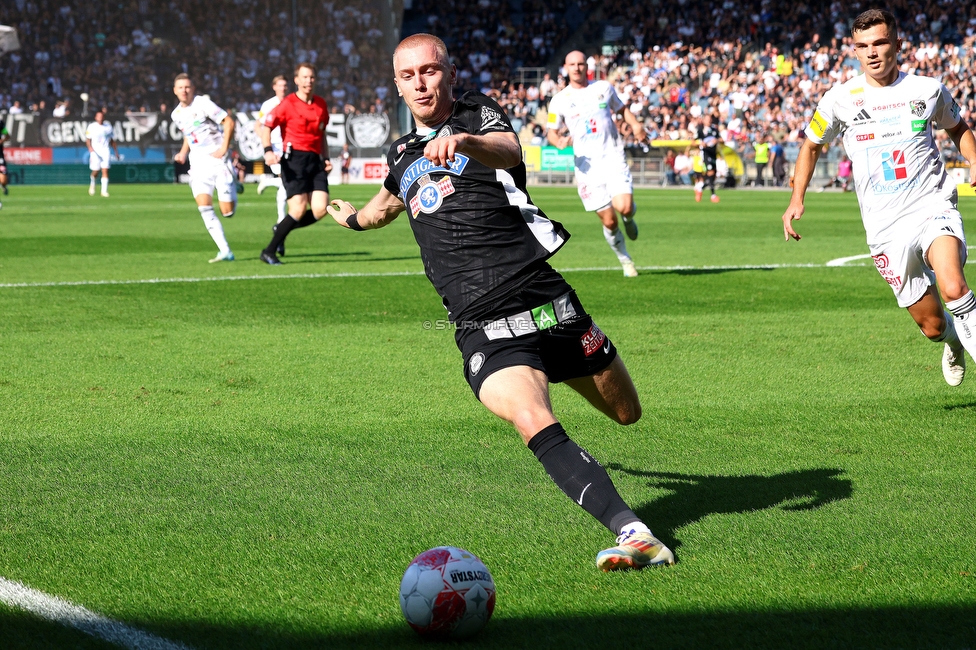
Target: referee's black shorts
{"x":303,"y":172}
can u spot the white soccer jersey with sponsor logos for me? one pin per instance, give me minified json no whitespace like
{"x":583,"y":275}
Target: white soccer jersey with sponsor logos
{"x":266,"y":108}
{"x":100,"y":135}
{"x":898,"y":174}
{"x":588,"y":114}
{"x":200,"y":124}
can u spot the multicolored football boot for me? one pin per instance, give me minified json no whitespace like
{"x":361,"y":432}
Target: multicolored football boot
{"x":634,"y":551}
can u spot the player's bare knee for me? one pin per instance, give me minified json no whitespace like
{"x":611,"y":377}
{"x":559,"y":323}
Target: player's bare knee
{"x":529,"y":422}
{"x":953,"y":289}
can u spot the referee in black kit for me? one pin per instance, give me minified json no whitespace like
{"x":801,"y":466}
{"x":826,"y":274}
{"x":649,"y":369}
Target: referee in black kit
{"x":485,"y":246}
{"x":305,"y":164}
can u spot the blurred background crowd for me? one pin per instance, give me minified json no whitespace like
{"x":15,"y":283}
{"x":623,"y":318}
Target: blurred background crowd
{"x":759,"y":68}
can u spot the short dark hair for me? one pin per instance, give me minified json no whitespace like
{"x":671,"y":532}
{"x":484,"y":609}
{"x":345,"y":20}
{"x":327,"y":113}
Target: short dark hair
{"x":873,"y":17}
{"x":304,"y":65}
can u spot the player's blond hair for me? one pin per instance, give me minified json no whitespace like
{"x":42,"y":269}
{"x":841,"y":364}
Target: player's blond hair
{"x":181,"y":76}
{"x":418,"y":40}
{"x":303,"y":64}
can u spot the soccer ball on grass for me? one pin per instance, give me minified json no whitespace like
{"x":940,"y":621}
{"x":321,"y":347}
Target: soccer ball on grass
{"x":447,"y":592}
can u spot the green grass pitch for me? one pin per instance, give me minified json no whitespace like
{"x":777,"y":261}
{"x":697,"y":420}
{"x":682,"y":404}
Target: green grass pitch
{"x":238,"y":460}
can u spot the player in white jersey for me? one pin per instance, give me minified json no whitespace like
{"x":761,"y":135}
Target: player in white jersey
{"x":99,"y":138}
{"x":908,"y":203}
{"x":581,"y":114}
{"x":207,"y":130}
{"x":280,"y":87}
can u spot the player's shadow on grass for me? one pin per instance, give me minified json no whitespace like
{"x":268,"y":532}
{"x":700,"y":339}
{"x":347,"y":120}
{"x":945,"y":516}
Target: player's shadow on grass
{"x":694,"y":497}
{"x":715,"y":271}
{"x":314,"y":257}
{"x":957,"y":407}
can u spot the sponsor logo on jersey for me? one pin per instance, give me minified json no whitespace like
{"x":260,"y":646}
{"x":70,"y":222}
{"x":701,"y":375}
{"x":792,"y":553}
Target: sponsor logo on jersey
{"x":818,"y":125}
{"x":857,"y":97}
{"x":893,"y":165}
{"x":919,"y":125}
{"x":889,"y":107}
{"x":890,"y":134}
{"x":491,"y":119}
{"x":544,"y":316}
{"x":917,"y":107}
{"x":423,"y":166}
{"x":592,"y":340}
{"x":430,"y":196}
{"x":862,"y":116}
{"x":553,"y":118}
{"x":881,"y":262}
{"x":954,"y":110}
{"x":445,"y":131}
{"x":865,"y":136}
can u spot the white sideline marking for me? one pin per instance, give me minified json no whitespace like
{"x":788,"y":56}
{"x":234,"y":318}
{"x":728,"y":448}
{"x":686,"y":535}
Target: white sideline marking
{"x":61,"y":611}
{"x":841,"y":261}
{"x":291,"y":276}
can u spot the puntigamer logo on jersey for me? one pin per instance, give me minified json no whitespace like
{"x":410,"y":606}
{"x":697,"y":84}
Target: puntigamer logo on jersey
{"x":423,"y":166}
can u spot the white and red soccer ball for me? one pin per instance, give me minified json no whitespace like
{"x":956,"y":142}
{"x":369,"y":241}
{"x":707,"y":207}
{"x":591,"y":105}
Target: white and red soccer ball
{"x":447,"y":592}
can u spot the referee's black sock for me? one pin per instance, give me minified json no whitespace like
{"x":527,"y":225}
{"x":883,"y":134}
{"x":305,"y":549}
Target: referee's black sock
{"x":580,"y":477}
{"x":281,"y":231}
{"x":307,"y":219}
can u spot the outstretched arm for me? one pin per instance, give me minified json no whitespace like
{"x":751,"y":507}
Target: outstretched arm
{"x":806,"y":162}
{"x":639,"y":134}
{"x":380,"y":211}
{"x":498,"y":150}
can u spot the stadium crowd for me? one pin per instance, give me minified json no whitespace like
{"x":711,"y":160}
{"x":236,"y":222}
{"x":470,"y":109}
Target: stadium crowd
{"x":761,"y":71}
{"x":125,"y":55}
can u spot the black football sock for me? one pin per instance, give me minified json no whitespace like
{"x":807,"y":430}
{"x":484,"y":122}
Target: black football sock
{"x":580,"y":477}
{"x":307,"y":219}
{"x":281,"y":231}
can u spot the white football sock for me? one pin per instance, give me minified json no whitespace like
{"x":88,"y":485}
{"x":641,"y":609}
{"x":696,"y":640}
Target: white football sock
{"x":92,"y":186}
{"x":105,"y":183}
{"x":699,"y":186}
{"x":965,"y":323}
{"x":949,"y":335}
{"x":615,"y":238}
{"x":635,"y":527}
{"x":282,"y":198}
{"x":214,"y":227}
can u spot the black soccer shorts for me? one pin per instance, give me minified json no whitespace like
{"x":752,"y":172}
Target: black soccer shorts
{"x":574,"y":347}
{"x":303,"y":172}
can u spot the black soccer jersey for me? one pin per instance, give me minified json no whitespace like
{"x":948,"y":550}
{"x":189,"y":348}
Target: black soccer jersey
{"x":479,"y":233}
{"x":709,"y":140}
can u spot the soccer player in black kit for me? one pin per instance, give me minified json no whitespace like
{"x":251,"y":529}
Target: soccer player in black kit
{"x":459,"y":175}
{"x":709,"y":137}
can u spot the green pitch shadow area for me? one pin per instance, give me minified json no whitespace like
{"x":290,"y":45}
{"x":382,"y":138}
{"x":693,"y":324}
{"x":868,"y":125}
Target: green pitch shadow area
{"x":239,"y":456}
{"x":921,"y":627}
{"x":693,"y":497}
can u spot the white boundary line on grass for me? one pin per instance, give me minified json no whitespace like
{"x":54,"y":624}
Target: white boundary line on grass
{"x":292,"y":276}
{"x":60,"y":611}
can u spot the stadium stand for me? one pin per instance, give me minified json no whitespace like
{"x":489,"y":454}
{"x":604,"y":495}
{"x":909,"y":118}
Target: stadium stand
{"x":761,"y":70}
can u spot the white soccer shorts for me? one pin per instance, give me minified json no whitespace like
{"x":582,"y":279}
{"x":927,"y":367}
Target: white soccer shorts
{"x":98,"y":161}
{"x":902,"y":262}
{"x":208,"y":174}
{"x":605,"y":179}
